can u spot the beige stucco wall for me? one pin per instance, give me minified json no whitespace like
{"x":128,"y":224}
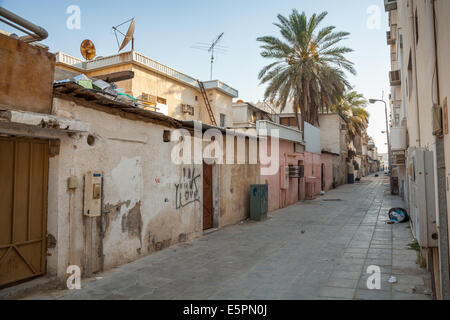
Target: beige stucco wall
{"x":221,"y":104}
{"x":443,"y":50}
{"x":419,"y":102}
{"x":139,"y":188}
{"x":175,"y":92}
{"x":329,"y":125}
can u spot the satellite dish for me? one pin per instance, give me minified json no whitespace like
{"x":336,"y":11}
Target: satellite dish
{"x":128,"y":36}
{"x":87,"y":49}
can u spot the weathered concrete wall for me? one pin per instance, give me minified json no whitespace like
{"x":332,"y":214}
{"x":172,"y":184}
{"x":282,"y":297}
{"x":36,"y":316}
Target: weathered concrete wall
{"x":443,"y":49}
{"x":329,"y":133}
{"x":220,"y":104}
{"x":241,"y":114}
{"x":312,"y":139}
{"x":140,"y":190}
{"x":25,"y":69}
{"x":175,"y":92}
{"x":234,"y":191}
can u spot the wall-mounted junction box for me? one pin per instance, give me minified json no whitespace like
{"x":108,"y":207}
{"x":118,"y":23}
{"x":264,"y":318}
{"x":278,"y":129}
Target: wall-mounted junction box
{"x":92,"y":194}
{"x":284,"y":177}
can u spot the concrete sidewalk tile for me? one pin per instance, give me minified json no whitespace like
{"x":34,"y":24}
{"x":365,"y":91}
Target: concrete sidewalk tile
{"x":354,"y":275}
{"x":273,"y":260}
{"x":342,"y":283}
{"x":365,"y":294}
{"x":334,"y":292}
{"x":406,"y":296}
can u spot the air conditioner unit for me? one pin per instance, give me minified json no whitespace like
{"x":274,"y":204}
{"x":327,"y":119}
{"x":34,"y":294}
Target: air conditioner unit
{"x":395,"y":78}
{"x":296,"y":171}
{"x":422,"y":197}
{"x":398,"y":158}
{"x":398,"y":138}
{"x":185,"y":108}
{"x":390,"y":37}
{"x":390,"y":5}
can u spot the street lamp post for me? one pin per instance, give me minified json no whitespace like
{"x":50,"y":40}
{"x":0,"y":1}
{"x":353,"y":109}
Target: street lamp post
{"x":373,"y":101}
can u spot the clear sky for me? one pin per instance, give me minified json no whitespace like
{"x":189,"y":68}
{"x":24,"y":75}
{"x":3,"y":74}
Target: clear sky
{"x":166,"y":31}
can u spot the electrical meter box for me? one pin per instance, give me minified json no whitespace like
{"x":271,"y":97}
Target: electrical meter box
{"x":92,"y":194}
{"x":284,"y":177}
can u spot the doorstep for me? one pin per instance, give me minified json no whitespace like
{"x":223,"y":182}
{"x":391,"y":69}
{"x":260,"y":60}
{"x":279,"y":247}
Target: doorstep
{"x":30,"y":287}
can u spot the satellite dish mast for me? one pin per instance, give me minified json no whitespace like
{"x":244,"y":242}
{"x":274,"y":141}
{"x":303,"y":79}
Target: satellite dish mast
{"x":87,"y":49}
{"x":213,"y":48}
{"x":129,"y":36}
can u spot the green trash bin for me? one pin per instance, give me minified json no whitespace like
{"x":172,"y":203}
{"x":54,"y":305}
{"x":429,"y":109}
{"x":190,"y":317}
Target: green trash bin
{"x":259,"y":202}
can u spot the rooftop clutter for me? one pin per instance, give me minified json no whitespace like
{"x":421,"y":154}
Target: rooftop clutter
{"x":109,"y":90}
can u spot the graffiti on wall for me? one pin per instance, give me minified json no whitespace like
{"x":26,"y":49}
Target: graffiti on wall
{"x":187,"y":191}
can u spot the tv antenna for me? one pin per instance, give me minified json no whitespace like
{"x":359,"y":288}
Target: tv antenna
{"x":129,"y":36}
{"x":213,"y":47}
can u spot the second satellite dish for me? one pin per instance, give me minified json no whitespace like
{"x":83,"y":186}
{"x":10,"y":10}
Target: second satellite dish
{"x":129,"y":36}
{"x":87,"y":49}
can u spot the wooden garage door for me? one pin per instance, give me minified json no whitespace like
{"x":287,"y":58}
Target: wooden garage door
{"x":23,"y":208}
{"x":207,"y":197}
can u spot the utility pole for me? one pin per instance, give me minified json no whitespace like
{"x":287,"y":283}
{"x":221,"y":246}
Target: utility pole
{"x":388,"y":138}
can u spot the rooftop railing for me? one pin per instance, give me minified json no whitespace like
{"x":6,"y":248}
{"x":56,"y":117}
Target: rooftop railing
{"x":133,"y":56}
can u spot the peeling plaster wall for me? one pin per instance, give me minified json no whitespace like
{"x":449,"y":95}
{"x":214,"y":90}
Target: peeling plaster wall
{"x":139,"y":190}
{"x":234,"y":190}
{"x":151,"y":202}
{"x":231,"y":186}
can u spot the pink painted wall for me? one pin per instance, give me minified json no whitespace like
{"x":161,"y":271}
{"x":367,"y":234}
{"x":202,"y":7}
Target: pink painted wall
{"x":327,"y":160}
{"x":280,"y":198}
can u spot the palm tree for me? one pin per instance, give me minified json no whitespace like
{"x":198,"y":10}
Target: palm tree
{"x":352,"y":106}
{"x":308,"y":66}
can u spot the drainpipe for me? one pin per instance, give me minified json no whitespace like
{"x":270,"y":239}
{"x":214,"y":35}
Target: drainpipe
{"x":415,"y":72}
{"x":34,"y":33}
{"x":441,"y":175}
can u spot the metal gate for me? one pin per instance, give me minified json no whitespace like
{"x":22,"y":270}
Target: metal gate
{"x":23,"y":208}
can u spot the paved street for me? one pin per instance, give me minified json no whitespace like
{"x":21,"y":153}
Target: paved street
{"x":318,"y":249}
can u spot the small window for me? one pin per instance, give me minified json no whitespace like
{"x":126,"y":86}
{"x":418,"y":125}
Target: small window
{"x":161,"y":100}
{"x":223,"y":120}
{"x":289,"y":122}
{"x":285,"y":121}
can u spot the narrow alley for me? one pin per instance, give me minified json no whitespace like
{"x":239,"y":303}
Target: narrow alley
{"x":317,"y":249}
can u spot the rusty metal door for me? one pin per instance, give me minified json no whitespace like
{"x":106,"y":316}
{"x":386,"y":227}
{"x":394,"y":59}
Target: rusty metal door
{"x":23,"y":208}
{"x":207,"y":197}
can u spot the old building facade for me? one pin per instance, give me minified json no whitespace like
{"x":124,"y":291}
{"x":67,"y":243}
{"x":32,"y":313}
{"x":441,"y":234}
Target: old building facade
{"x":420,"y":149}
